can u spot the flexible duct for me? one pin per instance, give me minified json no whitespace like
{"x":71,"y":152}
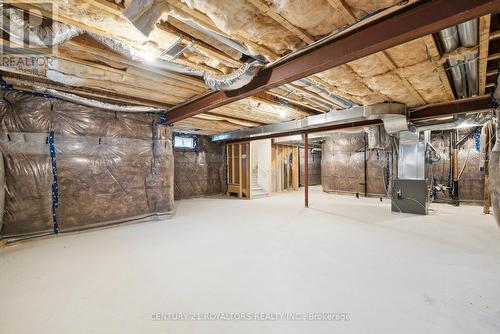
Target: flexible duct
{"x":313,"y":87}
{"x":58,"y":33}
{"x":46,"y":36}
{"x":235,"y":79}
{"x":94,"y":103}
{"x":317,"y":101}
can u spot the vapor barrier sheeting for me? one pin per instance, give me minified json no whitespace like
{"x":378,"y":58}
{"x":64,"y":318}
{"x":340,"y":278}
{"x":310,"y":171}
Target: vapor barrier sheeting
{"x":201,"y":171}
{"x":107,"y":167}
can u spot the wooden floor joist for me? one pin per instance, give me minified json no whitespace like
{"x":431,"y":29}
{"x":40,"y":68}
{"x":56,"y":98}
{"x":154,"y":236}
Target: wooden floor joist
{"x":484,"y":34}
{"x":411,"y":22}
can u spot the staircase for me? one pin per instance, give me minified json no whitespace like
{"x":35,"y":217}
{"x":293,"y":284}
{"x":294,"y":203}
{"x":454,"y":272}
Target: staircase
{"x":257,"y":191}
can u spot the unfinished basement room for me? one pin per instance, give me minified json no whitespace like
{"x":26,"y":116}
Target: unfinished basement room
{"x":250,"y":166}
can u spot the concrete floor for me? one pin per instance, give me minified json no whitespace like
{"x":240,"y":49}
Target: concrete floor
{"x":392,"y":273}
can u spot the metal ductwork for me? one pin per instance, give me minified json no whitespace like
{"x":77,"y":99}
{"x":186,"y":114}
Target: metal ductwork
{"x":235,"y":79}
{"x":463,"y":69}
{"x":476,"y":119}
{"x":468,"y":33}
{"x":449,"y":39}
{"x":379,"y":111}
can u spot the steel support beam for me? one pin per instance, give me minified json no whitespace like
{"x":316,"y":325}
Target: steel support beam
{"x":411,"y":22}
{"x":475,"y":104}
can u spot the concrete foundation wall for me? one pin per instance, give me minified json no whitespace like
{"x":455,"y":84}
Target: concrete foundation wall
{"x":200,"y":172}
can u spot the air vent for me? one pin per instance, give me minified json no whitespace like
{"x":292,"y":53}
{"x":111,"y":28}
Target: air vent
{"x":175,"y":49}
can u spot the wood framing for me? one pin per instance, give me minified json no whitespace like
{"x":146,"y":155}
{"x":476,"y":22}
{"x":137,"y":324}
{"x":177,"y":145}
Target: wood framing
{"x":282,"y":21}
{"x":484,"y":39}
{"x":409,"y":23}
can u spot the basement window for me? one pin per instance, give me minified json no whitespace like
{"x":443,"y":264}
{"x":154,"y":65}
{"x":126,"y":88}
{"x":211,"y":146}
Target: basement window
{"x":184,"y":142}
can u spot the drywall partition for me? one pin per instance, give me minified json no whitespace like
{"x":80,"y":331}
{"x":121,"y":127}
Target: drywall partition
{"x":261,"y":164}
{"x":69,"y":167}
{"x":199,"y":171}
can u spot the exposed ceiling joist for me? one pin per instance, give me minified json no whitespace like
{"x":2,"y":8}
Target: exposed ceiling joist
{"x":435,"y":56}
{"x":282,"y":21}
{"x":484,"y":34}
{"x":411,"y":22}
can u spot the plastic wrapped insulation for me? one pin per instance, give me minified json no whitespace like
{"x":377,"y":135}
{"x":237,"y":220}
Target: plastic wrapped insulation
{"x":94,"y":103}
{"x":111,"y":166}
{"x":43,"y":36}
{"x":235,"y":79}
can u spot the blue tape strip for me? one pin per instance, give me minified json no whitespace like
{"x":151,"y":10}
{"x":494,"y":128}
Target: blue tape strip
{"x":477,"y":139}
{"x":163,"y":118}
{"x":55,"y":188}
{"x":387,"y":170}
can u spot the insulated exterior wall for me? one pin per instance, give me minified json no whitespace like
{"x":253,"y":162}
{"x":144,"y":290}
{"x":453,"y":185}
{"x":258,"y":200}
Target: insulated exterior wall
{"x":342,"y":165}
{"x":470,"y":186}
{"x":111,"y":166}
{"x":314,"y":167}
{"x":201,"y":171}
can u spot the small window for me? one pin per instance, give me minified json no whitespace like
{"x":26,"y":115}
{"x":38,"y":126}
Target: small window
{"x":184,"y":142}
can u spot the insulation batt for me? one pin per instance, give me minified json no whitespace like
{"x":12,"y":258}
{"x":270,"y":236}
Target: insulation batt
{"x":369,"y":66}
{"x":317,"y":17}
{"x":372,"y":81}
{"x":342,"y":165}
{"x":409,"y":53}
{"x":240,"y":18}
{"x":112,"y":166}
{"x":200,"y":172}
{"x":361,"y":8}
{"x":391,"y":85}
{"x":425,"y":79}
